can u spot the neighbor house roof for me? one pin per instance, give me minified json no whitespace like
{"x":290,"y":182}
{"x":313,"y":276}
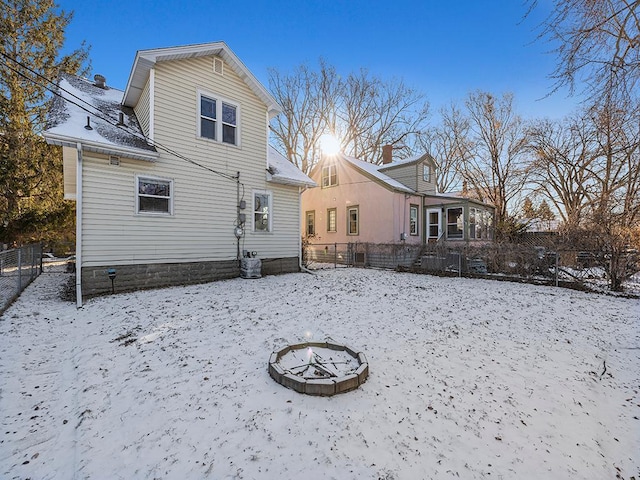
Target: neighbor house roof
{"x":80,"y":104}
{"x":406,"y":161}
{"x":283,"y":171}
{"x":146,"y":59}
{"x":373,"y":171}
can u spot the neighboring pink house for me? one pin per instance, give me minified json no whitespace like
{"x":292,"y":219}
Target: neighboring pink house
{"x":395,"y":202}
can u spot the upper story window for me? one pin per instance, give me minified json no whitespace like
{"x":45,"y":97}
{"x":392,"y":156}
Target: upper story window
{"x":154,"y":195}
{"x":218,"y":120}
{"x":426,"y":173}
{"x":229,"y":123}
{"x":262,"y":212}
{"x":329,"y":176}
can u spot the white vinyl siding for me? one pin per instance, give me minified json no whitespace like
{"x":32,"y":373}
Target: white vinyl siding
{"x":70,"y":167}
{"x":204,"y":203}
{"x":143,"y":110}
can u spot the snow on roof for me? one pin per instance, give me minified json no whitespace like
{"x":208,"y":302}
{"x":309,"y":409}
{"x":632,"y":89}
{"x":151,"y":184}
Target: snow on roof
{"x":81,"y":99}
{"x":283,"y":171}
{"x":404,"y":161}
{"x":373,"y":170}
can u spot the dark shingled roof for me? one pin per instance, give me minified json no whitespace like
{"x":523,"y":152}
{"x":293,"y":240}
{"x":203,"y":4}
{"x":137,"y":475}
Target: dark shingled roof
{"x":66,"y":120}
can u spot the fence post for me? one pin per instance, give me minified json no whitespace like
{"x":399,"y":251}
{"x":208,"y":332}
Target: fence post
{"x":19,"y":269}
{"x":335,"y":255}
{"x":556,"y":269}
{"x":459,"y":264}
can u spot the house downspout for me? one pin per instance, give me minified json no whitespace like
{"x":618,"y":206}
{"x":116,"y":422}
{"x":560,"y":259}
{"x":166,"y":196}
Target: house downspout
{"x":79,"y":227}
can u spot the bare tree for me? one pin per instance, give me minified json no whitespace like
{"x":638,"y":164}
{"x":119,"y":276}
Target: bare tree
{"x":588,"y":166}
{"x":597,"y":41}
{"x":563,"y":154}
{"x":377,"y":113}
{"x":305,"y":97}
{"x":496,"y":169}
{"x":364,"y":112}
{"x":615,"y":206}
{"x":617,"y":130}
{"x":449,"y":144}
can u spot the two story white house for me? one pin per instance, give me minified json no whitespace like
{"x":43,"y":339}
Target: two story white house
{"x":173,"y":178}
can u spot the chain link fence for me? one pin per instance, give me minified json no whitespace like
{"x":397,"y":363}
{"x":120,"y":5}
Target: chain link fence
{"x":570,"y":268}
{"x":18,"y":268}
{"x":355,"y":254}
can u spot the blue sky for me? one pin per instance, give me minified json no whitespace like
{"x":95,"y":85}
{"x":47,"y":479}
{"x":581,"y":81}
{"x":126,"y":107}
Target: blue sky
{"x":445,"y":49}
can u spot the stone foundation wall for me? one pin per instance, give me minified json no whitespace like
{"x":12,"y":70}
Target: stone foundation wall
{"x":95,"y":280}
{"x":275,"y":266}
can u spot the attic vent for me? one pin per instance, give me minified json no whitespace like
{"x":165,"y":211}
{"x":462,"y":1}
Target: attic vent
{"x":113,"y":160}
{"x":218,"y":66}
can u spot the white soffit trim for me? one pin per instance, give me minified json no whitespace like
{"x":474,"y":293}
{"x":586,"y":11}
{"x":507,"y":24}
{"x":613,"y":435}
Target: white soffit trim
{"x":132,"y":153}
{"x":146,"y":59}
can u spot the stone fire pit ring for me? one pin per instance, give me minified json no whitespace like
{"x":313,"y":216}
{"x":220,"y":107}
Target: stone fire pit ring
{"x":319,"y":368}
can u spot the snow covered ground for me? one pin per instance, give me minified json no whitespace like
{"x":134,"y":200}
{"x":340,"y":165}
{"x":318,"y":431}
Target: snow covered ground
{"x":468,"y":379}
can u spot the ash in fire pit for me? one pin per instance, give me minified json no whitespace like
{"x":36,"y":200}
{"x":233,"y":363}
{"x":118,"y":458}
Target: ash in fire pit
{"x":319,"y":368}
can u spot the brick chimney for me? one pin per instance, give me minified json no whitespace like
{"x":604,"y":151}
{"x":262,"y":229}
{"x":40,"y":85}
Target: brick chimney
{"x":387,"y":154}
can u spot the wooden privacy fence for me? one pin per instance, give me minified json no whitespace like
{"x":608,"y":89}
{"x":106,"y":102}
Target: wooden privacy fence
{"x":18,"y":268}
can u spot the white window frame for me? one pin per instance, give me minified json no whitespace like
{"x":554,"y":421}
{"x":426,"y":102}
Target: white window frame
{"x":254,"y":211}
{"x":218,"y":120}
{"x":329,"y":169}
{"x":357,"y":210}
{"x":426,"y":172}
{"x":414,"y":228}
{"x":137,"y":194}
{"x":438,"y":224}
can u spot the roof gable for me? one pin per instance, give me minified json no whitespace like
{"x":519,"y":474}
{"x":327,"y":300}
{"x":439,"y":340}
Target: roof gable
{"x":146,"y":59}
{"x":366,"y":169}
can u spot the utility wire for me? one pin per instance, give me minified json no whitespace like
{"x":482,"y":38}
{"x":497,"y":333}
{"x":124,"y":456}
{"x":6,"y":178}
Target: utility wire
{"x":101,"y":115}
{"x":127,"y":129}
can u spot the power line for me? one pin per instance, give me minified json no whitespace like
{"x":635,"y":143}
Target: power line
{"x":102,"y":116}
